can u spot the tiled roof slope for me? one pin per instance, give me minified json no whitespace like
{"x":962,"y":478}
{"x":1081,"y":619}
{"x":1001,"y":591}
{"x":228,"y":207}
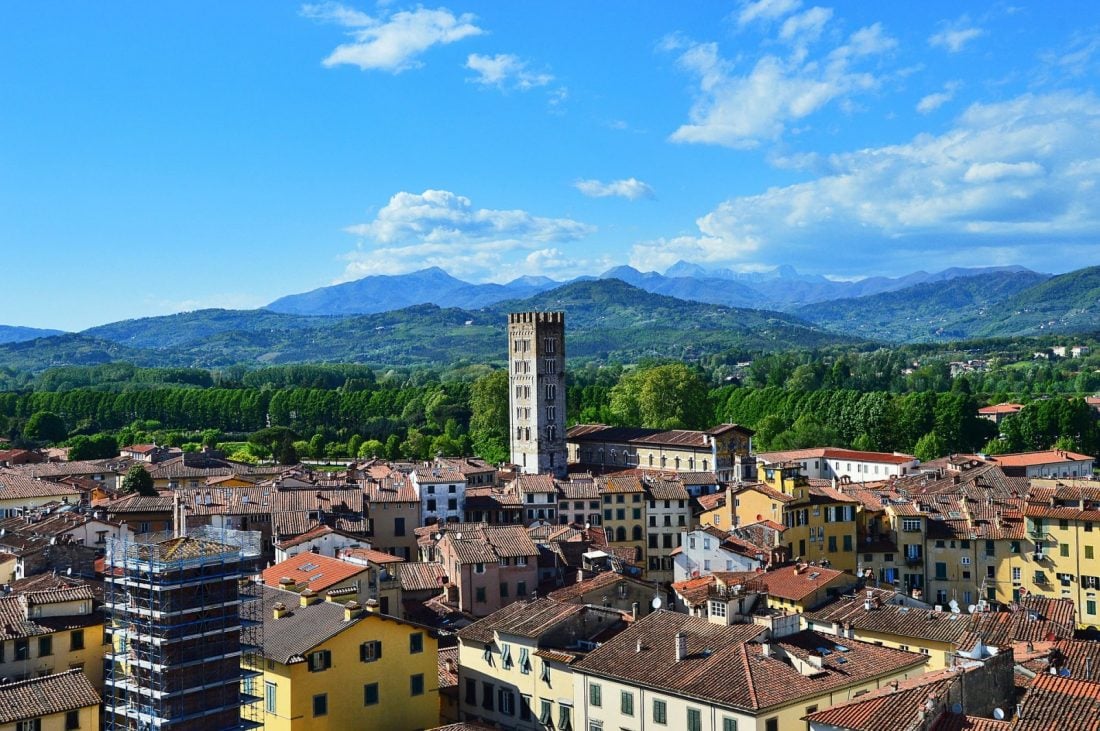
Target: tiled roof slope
{"x":46,"y":695}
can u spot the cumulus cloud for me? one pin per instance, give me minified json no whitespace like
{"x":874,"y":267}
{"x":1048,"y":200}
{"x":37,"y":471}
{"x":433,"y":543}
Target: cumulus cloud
{"x":934,"y":101}
{"x":505,"y":71}
{"x":630,"y":188}
{"x":954,"y":35}
{"x":390,"y":42}
{"x":441,"y":228}
{"x":1009,"y":180}
{"x":744,"y":109}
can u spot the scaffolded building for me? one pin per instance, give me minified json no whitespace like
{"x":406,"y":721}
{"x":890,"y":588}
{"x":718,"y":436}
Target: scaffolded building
{"x":183,"y":617}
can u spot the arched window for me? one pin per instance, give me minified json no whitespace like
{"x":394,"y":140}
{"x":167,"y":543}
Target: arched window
{"x":651,"y":460}
{"x":637,"y":533}
{"x":620,"y":533}
{"x":704,"y":465}
{"x":677,"y":463}
{"x":691,"y":463}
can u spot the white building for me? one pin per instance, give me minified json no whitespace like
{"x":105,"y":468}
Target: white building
{"x":827,"y":463}
{"x":442,"y":493}
{"x":706,"y":550}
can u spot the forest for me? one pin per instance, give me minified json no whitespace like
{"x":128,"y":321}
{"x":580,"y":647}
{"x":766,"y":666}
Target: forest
{"x":902,"y":399}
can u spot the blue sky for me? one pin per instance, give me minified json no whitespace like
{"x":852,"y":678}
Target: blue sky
{"x":158,"y":157}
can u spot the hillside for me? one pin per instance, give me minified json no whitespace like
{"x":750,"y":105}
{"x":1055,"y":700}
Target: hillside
{"x":1067,"y":303}
{"x":605,"y":319}
{"x":930,"y":311}
{"x":17,"y":334}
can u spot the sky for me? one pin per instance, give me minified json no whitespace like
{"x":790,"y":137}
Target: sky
{"x":171,"y":156}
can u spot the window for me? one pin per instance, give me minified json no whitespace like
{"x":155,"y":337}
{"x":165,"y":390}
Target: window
{"x":694,"y":719}
{"x":1090,"y":606}
{"x":504,"y":590}
{"x":33,"y":724}
{"x":910,"y":524}
{"x":1014,"y":547}
{"x":729,"y":724}
{"x":320,"y":660}
{"x":772,"y":724}
{"x":416,"y":684}
{"x":525,"y":708}
{"x":72,"y":720}
{"x":270,"y":690}
{"x":506,"y":657}
{"x":565,"y":718}
{"x":76,"y":639}
{"x":479,"y":568}
{"x":399,"y":526}
{"x":370,"y":651}
{"x":487,"y":695}
{"x":479,"y":595}
{"x":1088,"y":551}
{"x":320,"y":704}
{"x":524,"y":661}
{"x":626,"y":704}
{"x":717,"y":608}
{"x":506,"y":702}
{"x":521,"y":588}
{"x":546,"y":713}
{"x":595,"y":697}
{"x":660,"y":712}
{"x":416,"y":643}
{"x":45,"y":646}
{"x":1064,"y":550}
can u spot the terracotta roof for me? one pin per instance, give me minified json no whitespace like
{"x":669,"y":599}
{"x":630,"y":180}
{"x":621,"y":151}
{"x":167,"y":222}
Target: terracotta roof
{"x":15,"y":622}
{"x":617,"y":484}
{"x":893,"y":619}
{"x":46,"y":695}
{"x":19,"y":487}
{"x":766,"y":490}
{"x":722,"y":667}
{"x":487,"y":543}
{"x":959,"y":722}
{"x":711,"y":501}
{"x":421,"y":576}
{"x":577,"y":590}
{"x":886,"y":709}
{"x":1047,"y":456}
{"x":1005,"y":408}
{"x":636,"y":435}
{"x":662,"y":488}
{"x":694,"y":591}
{"x":448,"y":667}
{"x":535,"y":484}
{"x":436,"y":474}
{"x":522,"y":618}
{"x":851,"y":455}
{"x":289,"y":638}
{"x":312,"y":571}
{"x":786,"y":584}
{"x":369,"y":554}
{"x":391,"y":490}
{"x":1055,"y":702}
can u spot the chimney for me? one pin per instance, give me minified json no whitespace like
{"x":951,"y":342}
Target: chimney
{"x":814,"y":660}
{"x":634,"y":610}
{"x":681,"y":646}
{"x":639,"y":646}
{"x":893,"y":686}
{"x":371,"y":606}
{"x":280,"y":610}
{"x":286,"y":583}
{"x":308,"y":597}
{"x":765,"y":649}
{"x":352,"y":610}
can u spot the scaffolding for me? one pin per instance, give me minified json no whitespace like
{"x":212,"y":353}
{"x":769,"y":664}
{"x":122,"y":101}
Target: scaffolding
{"x":184,"y":619}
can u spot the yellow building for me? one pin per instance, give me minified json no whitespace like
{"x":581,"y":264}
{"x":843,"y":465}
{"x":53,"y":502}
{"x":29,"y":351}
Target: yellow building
{"x":334,"y":666}
{"x":624,"y":513}
{"x":51,"y":632}
{"x":515,"y":664}
{"x":58,"y":702}
{"x":722,"y":450}
{"x":821,"y":527}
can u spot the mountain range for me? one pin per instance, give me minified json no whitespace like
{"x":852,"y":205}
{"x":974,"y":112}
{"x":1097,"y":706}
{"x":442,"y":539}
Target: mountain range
{"x":685,"y":313}
{"x":780,"y":289}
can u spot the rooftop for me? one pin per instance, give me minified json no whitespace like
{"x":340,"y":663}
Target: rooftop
{"x":46,"y":695}
{"x":312,"y":571}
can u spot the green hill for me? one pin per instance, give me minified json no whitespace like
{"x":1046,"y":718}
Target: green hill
{"x":934,"y":311}
{"x":605,"y":319}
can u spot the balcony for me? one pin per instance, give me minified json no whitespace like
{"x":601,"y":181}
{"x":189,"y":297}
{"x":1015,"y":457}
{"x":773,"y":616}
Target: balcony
{"x":914,"y":560}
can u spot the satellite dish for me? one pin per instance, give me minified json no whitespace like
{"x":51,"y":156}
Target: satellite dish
{"x":656,"y":603}
{"x":954,"y":606}
{"x":458,"y":536}
{"x":69,"y":571}
{"x":970,"y":610}
{"x":999,"y":714}
{"x":956,"y":707}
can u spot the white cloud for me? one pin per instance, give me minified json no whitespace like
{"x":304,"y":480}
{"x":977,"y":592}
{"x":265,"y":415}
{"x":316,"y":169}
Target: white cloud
{"x":954,"y":35}
{"x":630,"y":188}
{"x":744,"y":109}
{"x":1010,"y":179}
{"x":556,"y":264}
{"x":391,"y":42}
{"x":766,"y":10}
{"x":505,"y":71}
{"x":934,"y":101}
{"x":805,"y":27}
{"x":440,"y":228}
